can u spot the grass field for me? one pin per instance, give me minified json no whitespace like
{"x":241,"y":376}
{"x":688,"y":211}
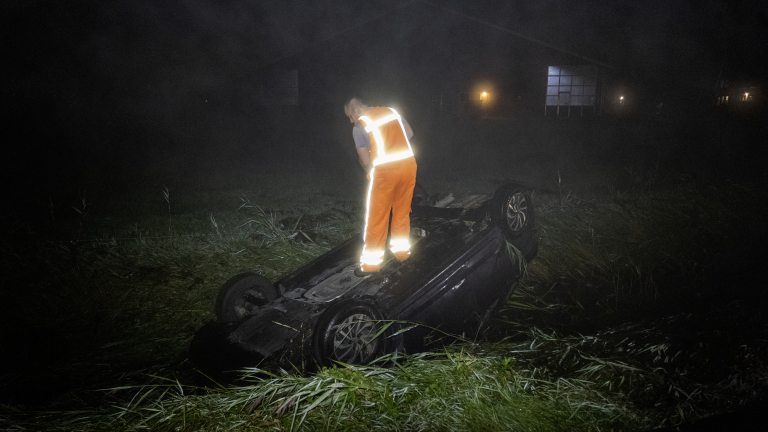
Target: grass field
{"x":640,"y":310}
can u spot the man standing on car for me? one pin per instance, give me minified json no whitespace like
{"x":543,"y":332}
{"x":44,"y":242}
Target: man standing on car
{"x":382,"y":140}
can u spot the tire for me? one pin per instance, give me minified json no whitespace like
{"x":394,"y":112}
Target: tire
{"x":512,"y":211}
{"x":243,"y":295}
{"x":345,"y":333}
{"x":420,"y":197}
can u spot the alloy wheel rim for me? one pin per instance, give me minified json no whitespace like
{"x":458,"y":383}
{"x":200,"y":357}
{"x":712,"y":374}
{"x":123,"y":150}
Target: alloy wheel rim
{"x":517,"y":212}
{"x":354,"y":340}
{"x":244,"y":304}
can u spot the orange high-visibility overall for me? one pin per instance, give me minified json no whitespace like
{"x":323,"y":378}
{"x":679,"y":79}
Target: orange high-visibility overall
{"x":392,"y":180}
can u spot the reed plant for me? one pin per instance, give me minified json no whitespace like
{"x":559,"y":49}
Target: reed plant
{"x":596,"y":337}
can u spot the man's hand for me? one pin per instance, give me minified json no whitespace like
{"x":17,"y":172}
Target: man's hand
{"x":365,"y":158}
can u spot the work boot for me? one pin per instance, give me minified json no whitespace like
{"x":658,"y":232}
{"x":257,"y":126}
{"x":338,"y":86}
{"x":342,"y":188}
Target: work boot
{"x":367,"y":269}
{"x":402,"y":256}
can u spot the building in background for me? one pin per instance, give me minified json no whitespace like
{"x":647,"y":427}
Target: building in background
{"x":739,"y":95}
{"x":571,"y":89}
{"x":439,"y":62}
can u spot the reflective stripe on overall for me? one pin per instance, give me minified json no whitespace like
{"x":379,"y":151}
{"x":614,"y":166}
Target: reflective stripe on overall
{"x":389,"y":188}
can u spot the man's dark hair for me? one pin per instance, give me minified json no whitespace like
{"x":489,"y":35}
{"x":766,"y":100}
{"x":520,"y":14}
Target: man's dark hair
{"x":353,"y":102}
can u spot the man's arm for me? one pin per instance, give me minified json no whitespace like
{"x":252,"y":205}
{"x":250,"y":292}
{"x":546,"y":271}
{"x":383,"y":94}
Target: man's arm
{"x":408,"y":130}
{"x":365,"y":158}
{"x":362,"y":146}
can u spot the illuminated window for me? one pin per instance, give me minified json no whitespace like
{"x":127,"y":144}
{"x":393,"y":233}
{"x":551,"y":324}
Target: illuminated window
{"x":571,"y":85}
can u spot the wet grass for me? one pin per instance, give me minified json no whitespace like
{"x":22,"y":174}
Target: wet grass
{"x":89,"y":296}
{"x":625,"y":320}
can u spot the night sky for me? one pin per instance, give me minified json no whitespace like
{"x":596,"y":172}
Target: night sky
{"x":124,"y":84}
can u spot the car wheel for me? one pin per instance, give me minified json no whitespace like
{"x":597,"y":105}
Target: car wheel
{"x":243,"y":295}
{"x":512,"y":212}
{"x":349,"y":332}
{"x":420,"y":197}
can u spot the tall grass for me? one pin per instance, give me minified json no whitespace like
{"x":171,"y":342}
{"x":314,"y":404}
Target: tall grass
{"x":449,"y":391}
{"x":106,"y":303}
{"x":608,"y":251}
{"x":115,"y":303}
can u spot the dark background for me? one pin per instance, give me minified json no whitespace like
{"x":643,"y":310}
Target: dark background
{"x":107,"y":92}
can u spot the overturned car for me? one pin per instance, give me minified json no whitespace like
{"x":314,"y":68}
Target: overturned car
{"x":467,"y":254}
